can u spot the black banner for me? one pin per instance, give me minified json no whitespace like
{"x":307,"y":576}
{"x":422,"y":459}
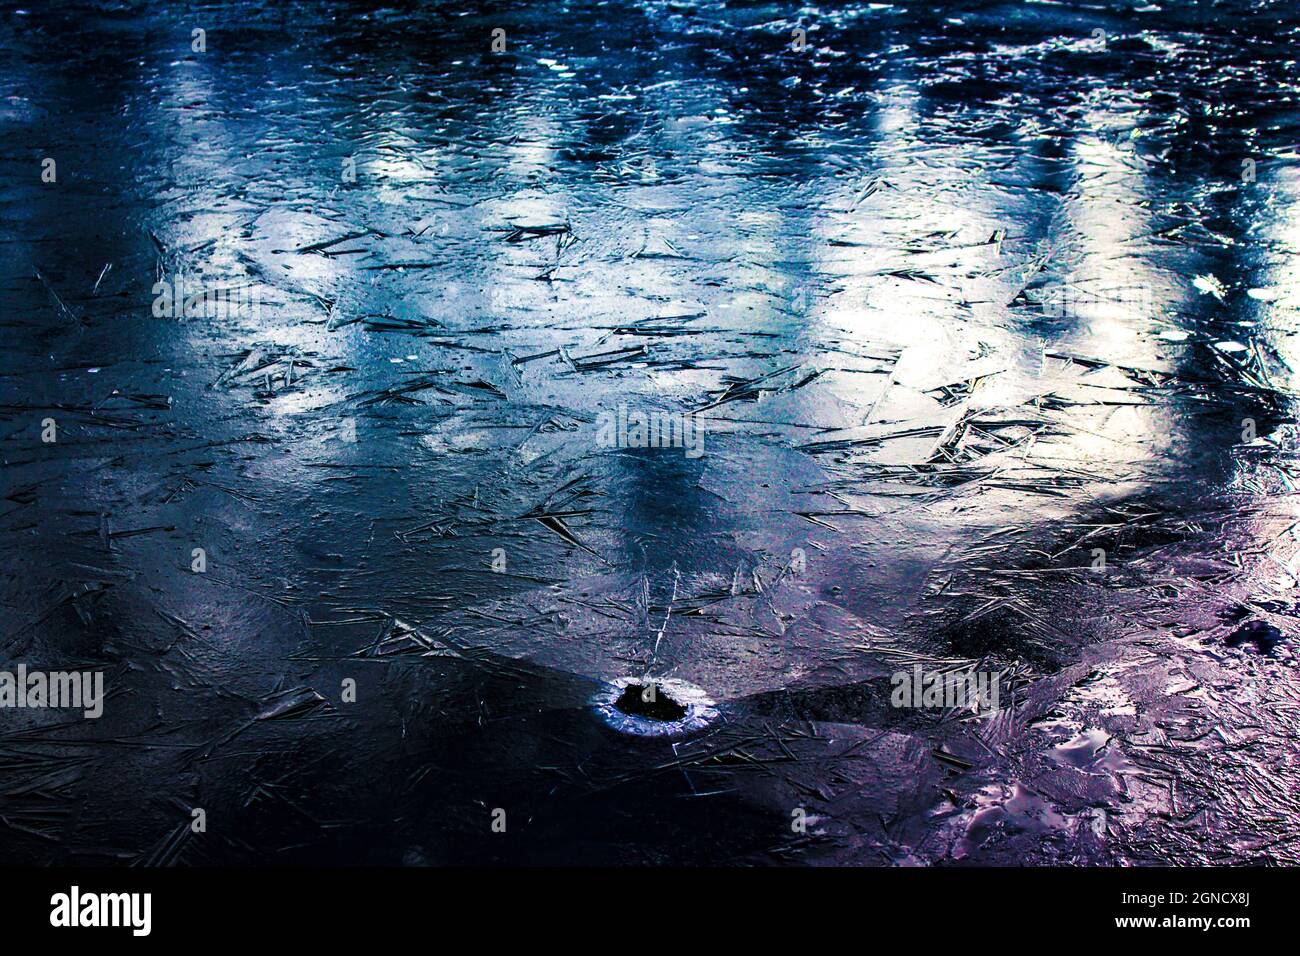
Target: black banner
{"x":328,"y":906}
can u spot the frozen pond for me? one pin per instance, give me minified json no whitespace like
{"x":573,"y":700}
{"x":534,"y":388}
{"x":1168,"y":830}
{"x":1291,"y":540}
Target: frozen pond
{"x":969,"y":334}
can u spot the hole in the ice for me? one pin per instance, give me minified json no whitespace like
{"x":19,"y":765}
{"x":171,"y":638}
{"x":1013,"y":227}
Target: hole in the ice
{"x":650,"y":701}
{"x":655,"y":708}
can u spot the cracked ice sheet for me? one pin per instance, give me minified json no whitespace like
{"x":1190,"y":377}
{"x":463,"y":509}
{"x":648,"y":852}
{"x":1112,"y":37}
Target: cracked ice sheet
{"x":848,"y":266}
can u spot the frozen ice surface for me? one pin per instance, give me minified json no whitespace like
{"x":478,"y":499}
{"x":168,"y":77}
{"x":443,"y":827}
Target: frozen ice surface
{"x":988,"y":319}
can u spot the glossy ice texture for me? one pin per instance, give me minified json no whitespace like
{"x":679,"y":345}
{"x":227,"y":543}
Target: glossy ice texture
{"x":982,"y":318}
